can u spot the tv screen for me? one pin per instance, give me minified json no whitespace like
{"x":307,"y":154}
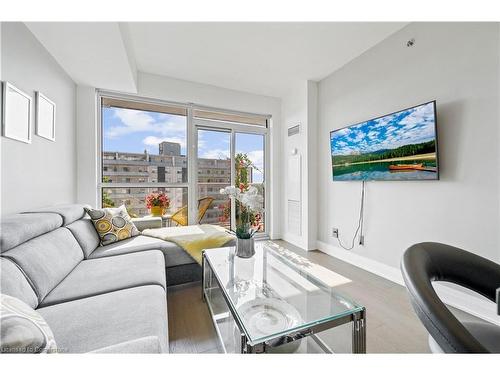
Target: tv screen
{"x":398,"y":146}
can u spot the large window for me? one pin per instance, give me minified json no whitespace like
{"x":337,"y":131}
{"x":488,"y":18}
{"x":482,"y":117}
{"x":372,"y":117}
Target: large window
{"x":186,"y":152}
{"x":143,"y":150}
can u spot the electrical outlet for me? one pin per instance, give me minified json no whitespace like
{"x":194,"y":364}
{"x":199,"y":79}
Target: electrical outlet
{"x":335,"y":232}
{"x":361,"y":240}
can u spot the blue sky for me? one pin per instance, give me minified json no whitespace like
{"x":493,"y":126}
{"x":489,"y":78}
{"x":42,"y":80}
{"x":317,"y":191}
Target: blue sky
{"x":414,"y":125}
{"x":128,"y":130}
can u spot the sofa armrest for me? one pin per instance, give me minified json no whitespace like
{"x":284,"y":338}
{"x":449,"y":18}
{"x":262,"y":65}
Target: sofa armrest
{"x":148,"y":222}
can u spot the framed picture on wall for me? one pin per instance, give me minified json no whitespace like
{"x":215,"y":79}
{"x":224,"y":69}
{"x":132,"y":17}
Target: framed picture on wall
{"x":45,"y":117}
{"x":16,"y":115}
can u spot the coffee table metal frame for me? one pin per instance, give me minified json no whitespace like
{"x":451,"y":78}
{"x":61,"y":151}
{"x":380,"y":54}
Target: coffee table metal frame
{"x":357,"y":318}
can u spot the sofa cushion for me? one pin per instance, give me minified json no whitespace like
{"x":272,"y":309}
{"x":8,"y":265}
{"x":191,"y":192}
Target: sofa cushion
{"x":96,"y":276}
{"x":85,"y":234}
{"x":184,"y":273}
{"x":22,"y":329}
{"x":149,"y":344}
{"x":112,"y":224}
{"x":174,"y":255}
{"x":47,"y":260}
{"x":92,"y":323}
{"x":19,"y":228}
{"x":14,"y":283}
{"x":68,"y":212}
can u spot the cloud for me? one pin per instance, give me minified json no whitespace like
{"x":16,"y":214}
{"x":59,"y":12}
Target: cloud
{"x":415,"y":125}
{"x":155,"y":141}
{"x":357,"y":136}
{"x":390,"y":129}
{"x":381,"y":122}
{"x":202,"y":143}
{"x":343,"y":132}
{"x":418,"y":116}
{"x":215,"y":153}
{"x":129,"y":121}
{"x":257,"y":158}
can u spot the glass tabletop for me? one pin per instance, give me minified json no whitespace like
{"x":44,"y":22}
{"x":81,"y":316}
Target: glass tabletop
{"x":277,"y":291}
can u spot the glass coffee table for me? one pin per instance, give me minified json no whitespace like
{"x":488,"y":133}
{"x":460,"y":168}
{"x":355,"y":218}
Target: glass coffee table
{"x":277,"y":301}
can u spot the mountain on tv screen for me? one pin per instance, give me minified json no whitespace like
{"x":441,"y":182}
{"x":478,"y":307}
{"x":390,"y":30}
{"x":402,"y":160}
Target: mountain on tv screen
{"x":398,"y":146}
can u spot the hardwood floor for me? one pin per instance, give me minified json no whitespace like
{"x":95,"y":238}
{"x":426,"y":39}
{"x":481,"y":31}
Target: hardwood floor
{"x":190,"y":326}
{"x":392,"y":326}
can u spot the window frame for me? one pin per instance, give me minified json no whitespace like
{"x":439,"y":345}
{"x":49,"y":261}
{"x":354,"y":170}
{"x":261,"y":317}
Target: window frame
{"x":192,"y":124}
{"x":233,"y":129}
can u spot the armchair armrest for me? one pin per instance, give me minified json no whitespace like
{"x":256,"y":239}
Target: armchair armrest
{"x":498,"y":301}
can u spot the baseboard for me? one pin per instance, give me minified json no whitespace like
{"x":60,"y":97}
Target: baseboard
{"x":470,"y":304}
{"x":383,"y":270}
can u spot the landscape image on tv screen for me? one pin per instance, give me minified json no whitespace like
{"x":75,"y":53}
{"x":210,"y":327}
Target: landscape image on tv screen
{"x":399,"y":146}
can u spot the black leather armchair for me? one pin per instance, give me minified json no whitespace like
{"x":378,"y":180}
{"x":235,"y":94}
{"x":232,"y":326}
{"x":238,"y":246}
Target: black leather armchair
{"x":426,"y":262}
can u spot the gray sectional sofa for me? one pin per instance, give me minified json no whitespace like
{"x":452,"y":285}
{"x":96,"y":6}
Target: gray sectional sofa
{"x":94,"y":298}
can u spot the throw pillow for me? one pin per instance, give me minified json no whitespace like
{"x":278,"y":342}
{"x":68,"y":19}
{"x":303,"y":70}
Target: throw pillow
{"x":22,"y":329}
{"x":112,"y":224}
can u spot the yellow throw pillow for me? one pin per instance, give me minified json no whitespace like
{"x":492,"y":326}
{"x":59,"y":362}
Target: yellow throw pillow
{"x":112,"y":224}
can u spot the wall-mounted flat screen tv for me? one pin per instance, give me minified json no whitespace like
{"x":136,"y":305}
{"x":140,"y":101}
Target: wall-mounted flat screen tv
{"x":398,"y":146}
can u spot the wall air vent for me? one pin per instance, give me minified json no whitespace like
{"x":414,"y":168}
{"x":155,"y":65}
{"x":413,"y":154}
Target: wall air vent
{"x":294,"y":130}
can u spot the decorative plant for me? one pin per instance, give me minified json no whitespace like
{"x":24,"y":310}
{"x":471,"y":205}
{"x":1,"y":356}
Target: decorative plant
{"x":243,"y":164}
{"x":249,"y":204}
{"x":157,"y":199}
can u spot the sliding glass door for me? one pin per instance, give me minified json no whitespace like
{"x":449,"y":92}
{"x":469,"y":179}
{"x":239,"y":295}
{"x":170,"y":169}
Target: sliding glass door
{"x":249,"y":166}
{"x":213,"y":173}
{"x":229,"y":154}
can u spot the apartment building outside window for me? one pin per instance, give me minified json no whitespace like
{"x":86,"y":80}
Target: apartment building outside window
{"x":188,"y":153}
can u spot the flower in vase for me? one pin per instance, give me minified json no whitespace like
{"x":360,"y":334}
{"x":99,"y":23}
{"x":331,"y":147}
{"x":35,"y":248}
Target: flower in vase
{"x":250,"y":205}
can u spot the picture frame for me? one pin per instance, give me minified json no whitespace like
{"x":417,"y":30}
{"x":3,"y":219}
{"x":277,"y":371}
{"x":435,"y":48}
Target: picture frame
{"x":16,"y":114}
{"x":45,"y":117}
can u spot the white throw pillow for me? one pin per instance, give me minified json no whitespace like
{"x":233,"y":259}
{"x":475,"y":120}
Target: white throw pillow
{"x":22,"y":329}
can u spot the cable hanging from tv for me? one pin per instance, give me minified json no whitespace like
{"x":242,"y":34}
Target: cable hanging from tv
{"x":359,"y":229}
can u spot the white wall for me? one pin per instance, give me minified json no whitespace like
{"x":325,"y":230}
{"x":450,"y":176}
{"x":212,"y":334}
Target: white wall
{"x":86,"y":132}
{"x":43,"y":172}
{"x":456,"y":64}
{"x":170,"y":89}
{"x":299,"y":107}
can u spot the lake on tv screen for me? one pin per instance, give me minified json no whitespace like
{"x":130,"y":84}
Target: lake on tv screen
{"x":400,"y":146}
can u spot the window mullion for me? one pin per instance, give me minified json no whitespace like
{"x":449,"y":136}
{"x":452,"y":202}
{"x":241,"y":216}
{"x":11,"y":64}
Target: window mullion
{"x":233,"y":179}
{"x":192,"y":149}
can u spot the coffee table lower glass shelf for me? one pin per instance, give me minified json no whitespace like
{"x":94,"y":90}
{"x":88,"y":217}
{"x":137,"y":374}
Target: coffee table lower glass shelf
{"x":279,"y":302}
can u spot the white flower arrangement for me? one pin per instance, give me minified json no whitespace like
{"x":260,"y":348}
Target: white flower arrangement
{"x":251,"y":202}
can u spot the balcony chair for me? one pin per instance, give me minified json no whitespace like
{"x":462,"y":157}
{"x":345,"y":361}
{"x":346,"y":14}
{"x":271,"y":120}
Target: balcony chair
{"x":180,"y":217}
{"x":426,"y":262}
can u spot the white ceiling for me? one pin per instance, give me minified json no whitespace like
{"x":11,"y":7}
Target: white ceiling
{"x":92,"y":53}
{"x":261,"y":58}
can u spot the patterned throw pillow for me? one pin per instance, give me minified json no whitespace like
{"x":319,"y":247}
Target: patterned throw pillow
{"x":22,"y":329}
{"x":112,"y":224}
